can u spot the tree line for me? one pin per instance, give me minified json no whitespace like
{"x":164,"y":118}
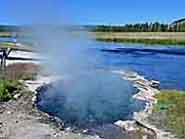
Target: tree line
{"x":140,"y":27}
{"x":9,"y":28}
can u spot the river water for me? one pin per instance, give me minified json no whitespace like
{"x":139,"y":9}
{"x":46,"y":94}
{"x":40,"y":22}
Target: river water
{"x":163,"y":63}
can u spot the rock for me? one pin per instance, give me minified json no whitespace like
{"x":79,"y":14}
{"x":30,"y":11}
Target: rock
{"x":34,"y":99}
{"x":55,"y":135}
{"x":9,"y":112}
{"x":1,"y":110}
{"x":68,"y":129}
{"x":16,"y":96}
{"x":85,"y":131}
{"x":155,"y":84}
{"x":127,"y":125}
{"x":59,"y":122}
{"x":110,"y":131}
{"x":1,"y":124}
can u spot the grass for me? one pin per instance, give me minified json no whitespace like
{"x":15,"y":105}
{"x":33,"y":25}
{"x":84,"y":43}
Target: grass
{"x":5,"y":44}
{"x":169,"y":112}
{"x":144,"y":41}
{"x":162,"y":38}
{"x":21,"y":71}
{"x":28,"y":47}
{"x":7,"y":89}
{"x":5,"y":34}
{"x":9,"y":79}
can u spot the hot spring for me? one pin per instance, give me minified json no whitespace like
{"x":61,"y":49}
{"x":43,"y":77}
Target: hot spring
{"x":89,"y":99}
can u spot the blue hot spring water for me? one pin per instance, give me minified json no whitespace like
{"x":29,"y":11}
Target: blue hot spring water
{"x":89,"y":99}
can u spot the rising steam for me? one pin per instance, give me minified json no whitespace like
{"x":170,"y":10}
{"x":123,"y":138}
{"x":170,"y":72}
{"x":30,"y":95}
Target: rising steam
{"x":86,"y":94}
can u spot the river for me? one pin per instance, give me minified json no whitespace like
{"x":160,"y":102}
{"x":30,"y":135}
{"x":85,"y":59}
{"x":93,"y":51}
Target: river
{"x":163,"y":63}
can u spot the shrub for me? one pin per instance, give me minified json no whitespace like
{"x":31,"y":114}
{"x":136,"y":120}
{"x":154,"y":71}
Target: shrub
{"x":7,"y":89}
{"x":172,"y":103}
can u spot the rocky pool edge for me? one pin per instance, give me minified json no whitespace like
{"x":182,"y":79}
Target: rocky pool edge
{"x":147,"y":89}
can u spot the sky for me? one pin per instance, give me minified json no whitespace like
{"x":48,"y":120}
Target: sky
{"x":19,"y":12}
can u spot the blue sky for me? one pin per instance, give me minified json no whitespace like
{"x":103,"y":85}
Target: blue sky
{"x":90,"y":11}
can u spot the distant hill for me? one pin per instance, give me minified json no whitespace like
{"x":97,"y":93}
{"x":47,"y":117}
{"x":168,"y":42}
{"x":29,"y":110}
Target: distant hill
{"x":179,"y":21}
{"x":178,"y":25}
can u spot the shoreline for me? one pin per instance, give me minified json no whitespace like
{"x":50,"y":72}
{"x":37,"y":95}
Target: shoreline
{"x":146,"y":93}
{"x":163,"y":42}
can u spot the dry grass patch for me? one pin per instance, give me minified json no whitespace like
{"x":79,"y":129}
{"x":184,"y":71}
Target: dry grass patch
{"x":21,"y":71}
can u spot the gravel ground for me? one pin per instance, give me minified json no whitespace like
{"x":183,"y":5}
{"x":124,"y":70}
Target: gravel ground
{"x":20,"y":120}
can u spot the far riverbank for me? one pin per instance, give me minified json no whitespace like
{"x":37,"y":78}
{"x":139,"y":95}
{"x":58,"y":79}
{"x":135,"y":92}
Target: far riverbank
{"x":163,"y":38}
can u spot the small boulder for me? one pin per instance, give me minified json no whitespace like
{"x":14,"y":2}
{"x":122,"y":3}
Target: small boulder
{"x":127,"y":125}
{"x":16,"y":96}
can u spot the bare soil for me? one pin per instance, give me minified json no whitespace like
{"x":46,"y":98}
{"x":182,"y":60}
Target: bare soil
{"x":19,"y":119}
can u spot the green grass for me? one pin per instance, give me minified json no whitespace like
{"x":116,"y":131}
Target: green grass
{"x":7,"y":43}
{"x":162,"y":38}
{"x":5,"y":34}
{"x":7,"y":89}
{"x":144,"y":41}
{"x":172,"y":104}
{"x":9,"y":79}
